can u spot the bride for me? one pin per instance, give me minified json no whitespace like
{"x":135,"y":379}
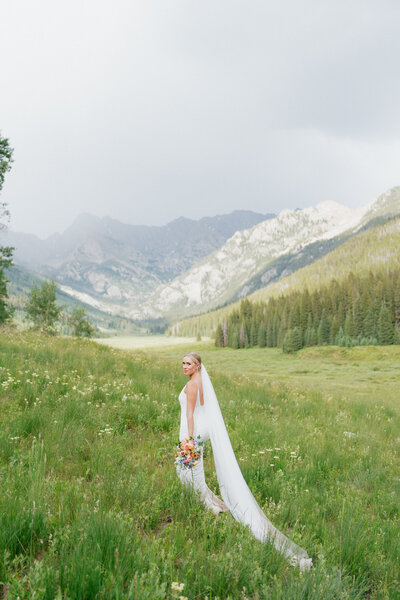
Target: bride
{"x":201,"y":416}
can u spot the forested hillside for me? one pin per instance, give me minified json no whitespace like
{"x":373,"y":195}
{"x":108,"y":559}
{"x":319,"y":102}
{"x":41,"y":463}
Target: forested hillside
{"x":359,"y":310}
{"x":20,"y":283}
{"x":374,"y":250}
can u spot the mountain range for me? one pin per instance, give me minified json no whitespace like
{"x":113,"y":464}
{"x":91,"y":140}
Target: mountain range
{"x":191,"y":267}
{"x":113,"y":266}
{"x":265,"y":253}
{"x":371,"y":250}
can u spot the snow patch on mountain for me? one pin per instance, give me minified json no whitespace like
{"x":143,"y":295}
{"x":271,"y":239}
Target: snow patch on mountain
{"x":223,"y":273}
{"x":88,"y":299}
{"x":133,"y":270}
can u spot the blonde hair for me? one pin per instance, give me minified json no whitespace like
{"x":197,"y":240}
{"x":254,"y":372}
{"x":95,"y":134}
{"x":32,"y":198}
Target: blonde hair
{"x":195,"y":357}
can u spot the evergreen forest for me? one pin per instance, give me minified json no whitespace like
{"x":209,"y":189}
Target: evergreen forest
{"x":359,"y":310}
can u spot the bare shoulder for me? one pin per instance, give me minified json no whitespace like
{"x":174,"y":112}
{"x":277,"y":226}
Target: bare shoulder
{"x":193,"y":384}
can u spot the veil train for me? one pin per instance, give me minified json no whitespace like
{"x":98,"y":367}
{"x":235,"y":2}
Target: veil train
{"x":234,"y":489}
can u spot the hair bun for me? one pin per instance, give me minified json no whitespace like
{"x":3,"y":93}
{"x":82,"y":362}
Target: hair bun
{"x":195,"y":357}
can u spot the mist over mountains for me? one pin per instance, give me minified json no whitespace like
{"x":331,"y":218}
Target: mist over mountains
{"x":271,"y":250}
{"x":108,"y":264}
{"x":190,"y":267}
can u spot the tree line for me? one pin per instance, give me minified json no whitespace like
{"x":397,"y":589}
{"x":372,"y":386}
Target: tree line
{"x":45,"y":315}
{"x":360,"y":310}
{"x":41,"y":308}
{"x":6,"y":159}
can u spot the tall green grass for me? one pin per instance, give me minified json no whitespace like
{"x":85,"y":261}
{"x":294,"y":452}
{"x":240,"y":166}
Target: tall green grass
{"x":91,"y":507}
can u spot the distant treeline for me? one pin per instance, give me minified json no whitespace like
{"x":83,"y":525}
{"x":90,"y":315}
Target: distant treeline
{"x":360,"y":310}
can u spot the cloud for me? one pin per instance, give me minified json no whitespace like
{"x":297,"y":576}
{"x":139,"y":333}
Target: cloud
{"x":149,"y":110}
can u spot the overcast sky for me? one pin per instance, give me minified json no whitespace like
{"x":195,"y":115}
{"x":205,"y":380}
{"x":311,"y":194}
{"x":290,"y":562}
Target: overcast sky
{"x":146,"y":110}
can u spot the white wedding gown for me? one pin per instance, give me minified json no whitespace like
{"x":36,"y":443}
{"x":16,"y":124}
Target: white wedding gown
{"x":195,"y":477}
{"x":237,"y":497}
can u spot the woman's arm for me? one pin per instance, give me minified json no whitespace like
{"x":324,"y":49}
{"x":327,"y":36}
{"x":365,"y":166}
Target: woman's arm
{"x":191,"y":395}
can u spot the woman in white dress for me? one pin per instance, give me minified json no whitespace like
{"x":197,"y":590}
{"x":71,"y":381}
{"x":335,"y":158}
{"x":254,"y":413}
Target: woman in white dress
{"x":201,"y":416}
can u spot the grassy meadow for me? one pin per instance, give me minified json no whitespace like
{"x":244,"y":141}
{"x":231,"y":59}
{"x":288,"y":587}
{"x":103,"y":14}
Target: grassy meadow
{"x":91,"y":507}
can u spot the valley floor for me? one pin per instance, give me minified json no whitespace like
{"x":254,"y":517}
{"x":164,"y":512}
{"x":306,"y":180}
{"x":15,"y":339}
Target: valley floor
{"x":130,"y":342}
{"x":91,"y":507}
{"x":362,"y":372}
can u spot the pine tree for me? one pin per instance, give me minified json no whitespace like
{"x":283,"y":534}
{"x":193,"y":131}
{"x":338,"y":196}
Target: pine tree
{"x":276,"y":326}
{"x":294,"y":314}
{"x":253,"y":338}
{"x":262,"y":334}
{"x":364,"y":299}
{"x":314,"y":336}
{"x":305,"y":310}
{"x":297,"y":339}
{"x":348,"y":326}
{"x":219,"y":337}
{"x":396,"y":301}
{"x":316,"y":307}
{"x":270,"y":335}
{"x":225,"y":333}
{"x":341,"y":315}
{"x":369,"y":325}
{"x":333,"y":330}
{"x":287,"y":344}
{"x":357,"y":318}
{"x":385,"y":326}
{"x":234,"y":341}
{"x":292,"y":340}
{"x":242,"y":336}
{"x":323,"y":329}
{"x":340,"y":338}
{"x":246,"y":309}
{"x":231,"y":334}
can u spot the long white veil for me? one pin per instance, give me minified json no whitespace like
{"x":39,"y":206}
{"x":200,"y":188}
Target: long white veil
{"x":234,"y":490}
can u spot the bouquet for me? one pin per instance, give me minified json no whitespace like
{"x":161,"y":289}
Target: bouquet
{"x":188,"y":452}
